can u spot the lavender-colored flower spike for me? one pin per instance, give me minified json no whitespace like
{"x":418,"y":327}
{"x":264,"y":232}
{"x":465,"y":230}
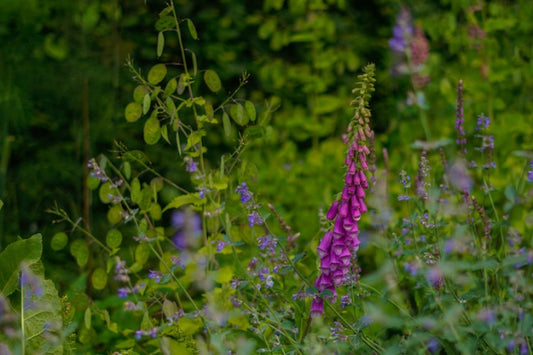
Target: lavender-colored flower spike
{"x":339,"y":245}
{"x":461,"y":135}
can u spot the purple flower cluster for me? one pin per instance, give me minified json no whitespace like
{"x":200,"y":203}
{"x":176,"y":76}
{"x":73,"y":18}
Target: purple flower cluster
{"x":339,"y":245}
{"x":247,"y":200}
{"x":96,"y":171}
{"x":188,"y":228}
{"x":190,"y":165}
{"x":402,"y":32}
{"x":530,"y":172}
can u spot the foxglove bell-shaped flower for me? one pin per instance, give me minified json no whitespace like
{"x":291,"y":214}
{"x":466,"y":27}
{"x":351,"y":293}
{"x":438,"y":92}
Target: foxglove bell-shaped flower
{"x":339,"y":245}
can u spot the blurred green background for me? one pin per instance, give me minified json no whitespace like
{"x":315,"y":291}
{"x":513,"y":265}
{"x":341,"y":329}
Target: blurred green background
{"x":64,"y":86}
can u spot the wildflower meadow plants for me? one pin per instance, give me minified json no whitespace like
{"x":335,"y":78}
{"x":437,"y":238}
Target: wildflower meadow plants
{"x":435,"y":257}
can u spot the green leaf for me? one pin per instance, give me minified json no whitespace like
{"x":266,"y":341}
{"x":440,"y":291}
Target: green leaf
{"x":172,"y":85}
{"x":160,"y":44}
{"x":236,"y":112}
{"x":212,"y":80}
{"x":164,"y":133}
{"x":59,"y":241}
{"x":183,"y":200}
{"x":80,"y":251}
{"x":157,"y":73}
{"x":99,"y":279}
{"x":254,"y":132}
{"x":92,"y":182}
{"x":194,"y":138}
{"x":126,"y":168}
{"x":113,"y":238}
{"x":165,"y":23}
{"x":139,"y":92}
{"x":133,"y":111}
{"x":226,"y":124}
{"x":142,"y":253}
{"x":152,"y":131}
{"x":1,"y":204}
{"x":106,"y":192}
{"x":87,"y":318}
{"x":250,"y":110}
{"x":146,"y":103}
{"x":192,"y":29}
{"x":28,"y":250}
{"x":45,"y":314}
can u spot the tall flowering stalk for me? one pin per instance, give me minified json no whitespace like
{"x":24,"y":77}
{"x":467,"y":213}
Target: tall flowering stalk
{"x":339,"y":245}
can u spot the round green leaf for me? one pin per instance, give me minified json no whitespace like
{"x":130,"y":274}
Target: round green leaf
{"x":113,"y":238}
{"x":139,"y":92}
{"x":192,"y":29}
{"x":80,"y":251}
{"x":212,"y":80}
{"x":236,"y":112}
{"x":142,"y":253}
{"x":59,"y":241}
{"x":114,"y":214}
{"x":157,"y":73}
{"x":93,"y":182}
{"x":152,"y":131}
{"x":106,"y":193}
{"x":99,"y":279}
{"x":126,"y":168}
{"x":133,"y":111}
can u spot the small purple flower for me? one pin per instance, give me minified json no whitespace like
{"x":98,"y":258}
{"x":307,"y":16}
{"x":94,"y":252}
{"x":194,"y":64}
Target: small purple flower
{"x":461,"y":135}
{"x":155,"y":275}
{"x":190,"y":165}
{"x":153,"y":333}
{"x":403,"y":198}
{"x":176,"y":260}
{"x":246,"y":195}
{"x":138,"y":334}
{"x":189,"y":228}
{"x":402,"y":32}
{"x":482,"y":122}
{"x":254,"y":218}
{"x":269,"y":281}
{"x":433,"y":345}
{"x":530,"y":172}
{"x":345,"y":301}
{"x":123,"y":292}
{"x":411,"y":268}
{"x":220,"y":245}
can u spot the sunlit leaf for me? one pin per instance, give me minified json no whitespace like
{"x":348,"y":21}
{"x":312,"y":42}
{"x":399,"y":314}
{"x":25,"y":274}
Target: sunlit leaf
{"x":133,"y":111}
{"x":157,"y":73}
{"x":212,"y":80}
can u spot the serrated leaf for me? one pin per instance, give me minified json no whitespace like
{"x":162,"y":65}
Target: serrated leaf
{"x":157,"y":73}
{"x":183,"y":200}
{"x":212,"y":80}
{"x":28,"y":250}
{"x":113,"y":238}
{"x":160,"y":44}
{"x":226,"y":124}
{"x":192,"y":29}
{"x":46,"y":314}
{"x":99,"y":279}
{"x":59,"y":241}
{"x":133,"y":111}
{"x":152,"y":131}
{"x":250,"y":110}
{"x":236,"y":112}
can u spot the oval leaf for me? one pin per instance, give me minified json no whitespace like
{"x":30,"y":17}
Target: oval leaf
{"x":113,"y":238}
{"x":183,"y":200}
{"x":99,"y":279}
{"x":160,"y":44}
{"x":59,"y":241}
{"x":133,"y":111}
{"x":212,"y":80}
{"x":80,"y":251}
{"x":192,"y":29}
{"x":157,"y":73}
{"x":171,"y":87}
{"x":237,"y":113}
{"x":146,"y":104}
{"x":250,"y":110}
{"x":152,"y":131}
{"x":227,"y":124}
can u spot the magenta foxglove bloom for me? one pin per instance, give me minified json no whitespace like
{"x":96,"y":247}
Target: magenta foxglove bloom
{"x":338,"y":246}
